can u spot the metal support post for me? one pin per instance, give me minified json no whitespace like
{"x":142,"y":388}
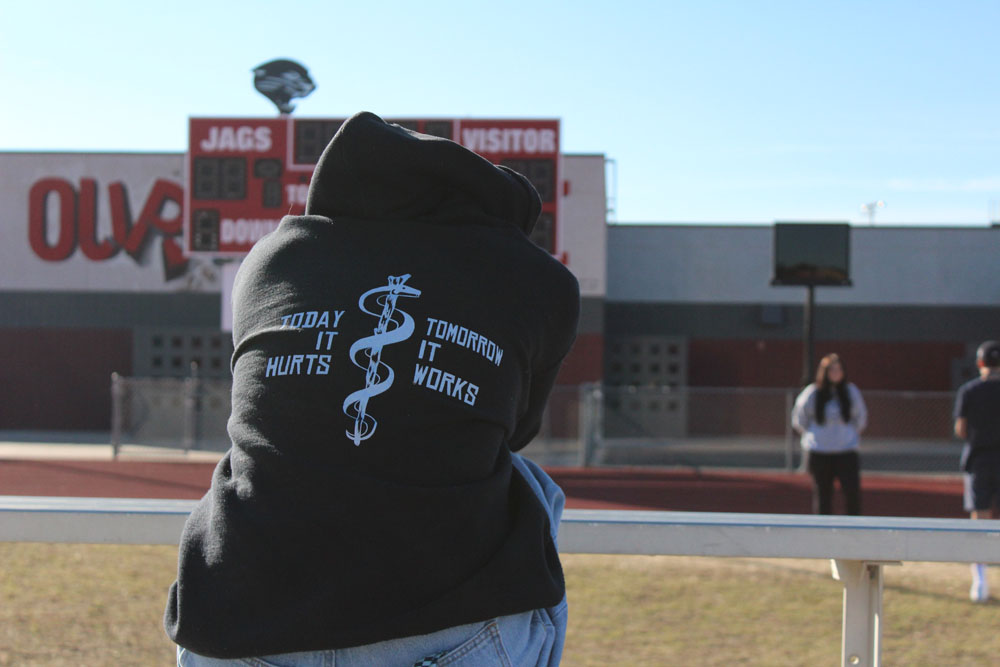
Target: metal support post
{"x":591,"y":405}
{"x":861,"y":639}
{"x":117,"y":405}
{"x":808,"y":335}
{"x":192,"y":407}
{"x":789,"y":432}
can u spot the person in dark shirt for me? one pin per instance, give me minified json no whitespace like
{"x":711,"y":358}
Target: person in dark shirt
{"x":394,"y":348}
{"x":977,"y":421}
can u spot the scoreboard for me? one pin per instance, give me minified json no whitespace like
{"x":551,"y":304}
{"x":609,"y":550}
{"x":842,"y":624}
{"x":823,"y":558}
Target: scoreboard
{"x":245,"y":174}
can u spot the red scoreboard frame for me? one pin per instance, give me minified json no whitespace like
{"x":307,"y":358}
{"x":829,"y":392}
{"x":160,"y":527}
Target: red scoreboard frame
{"x":245,"y":174}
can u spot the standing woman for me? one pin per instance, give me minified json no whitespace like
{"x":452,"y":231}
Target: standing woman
{"x":830,"y":415}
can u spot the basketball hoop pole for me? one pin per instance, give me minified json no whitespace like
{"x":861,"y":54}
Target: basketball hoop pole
{"x":808,"y":336}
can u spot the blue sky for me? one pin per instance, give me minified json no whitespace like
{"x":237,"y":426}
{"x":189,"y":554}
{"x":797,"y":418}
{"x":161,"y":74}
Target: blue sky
{"x":712,"y":111}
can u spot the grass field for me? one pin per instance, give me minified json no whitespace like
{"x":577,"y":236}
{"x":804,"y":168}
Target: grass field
{"x":68,"y":604}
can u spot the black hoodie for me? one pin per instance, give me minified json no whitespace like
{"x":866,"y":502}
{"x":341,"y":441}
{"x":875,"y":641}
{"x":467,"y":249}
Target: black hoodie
{"x":393,"y":346}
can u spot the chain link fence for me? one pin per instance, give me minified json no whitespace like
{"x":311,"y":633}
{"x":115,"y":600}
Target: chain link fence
{"x":597,"y":425}
{"x":750,"y":428}
{"x":174,"y":413}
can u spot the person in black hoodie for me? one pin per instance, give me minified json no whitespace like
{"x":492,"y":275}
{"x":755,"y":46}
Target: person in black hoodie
{"x":394,"y":347}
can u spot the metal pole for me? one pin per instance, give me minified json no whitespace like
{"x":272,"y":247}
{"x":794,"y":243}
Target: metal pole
{"x":190,"y":436}
{"x":116,"y":414}
{"x":583,"y":424}
{"x":861,"y":634}
{"x":808,"y":335}
{"x":789,"y":433}
{"x":591,"y":403}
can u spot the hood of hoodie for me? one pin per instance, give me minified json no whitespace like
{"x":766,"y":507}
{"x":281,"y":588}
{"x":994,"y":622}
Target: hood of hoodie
{"x":374,"y":170}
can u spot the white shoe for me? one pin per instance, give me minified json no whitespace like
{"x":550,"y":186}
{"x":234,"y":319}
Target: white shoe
{"x":980,"y":591}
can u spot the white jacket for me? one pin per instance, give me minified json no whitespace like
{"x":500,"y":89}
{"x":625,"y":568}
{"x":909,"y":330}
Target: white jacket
{"x":833,"y":435}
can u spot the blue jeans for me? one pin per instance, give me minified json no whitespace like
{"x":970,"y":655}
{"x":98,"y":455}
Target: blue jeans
{"x":529,"y":638}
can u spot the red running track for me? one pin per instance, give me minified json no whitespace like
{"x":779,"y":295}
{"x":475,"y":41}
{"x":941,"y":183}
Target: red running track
{"x":586,"y":488}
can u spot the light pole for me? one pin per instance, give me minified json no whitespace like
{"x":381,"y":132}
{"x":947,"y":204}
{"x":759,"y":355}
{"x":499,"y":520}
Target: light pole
{"x":870,"y":209}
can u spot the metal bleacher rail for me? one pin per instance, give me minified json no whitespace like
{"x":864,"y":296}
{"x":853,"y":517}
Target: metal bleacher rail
{"x":858,"y":546}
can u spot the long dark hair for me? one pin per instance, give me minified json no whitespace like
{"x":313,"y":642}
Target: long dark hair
{"x":825,"y":389}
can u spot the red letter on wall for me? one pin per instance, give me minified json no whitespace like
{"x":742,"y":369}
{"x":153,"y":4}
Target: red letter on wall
{"x":38,"y":199}
{"x":87,"y":219}
{"x":152,"y":215}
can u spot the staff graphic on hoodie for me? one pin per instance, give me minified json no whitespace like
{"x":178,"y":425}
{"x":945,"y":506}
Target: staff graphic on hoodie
{"x":378,"y":376}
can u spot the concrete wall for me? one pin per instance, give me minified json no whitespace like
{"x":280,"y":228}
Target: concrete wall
{"x":711,"y":264}
{"x":92,"y":281}
{"x":922,"y":299}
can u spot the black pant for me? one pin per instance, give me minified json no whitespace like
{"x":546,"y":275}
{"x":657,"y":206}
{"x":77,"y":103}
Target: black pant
{"x":824,"y":468}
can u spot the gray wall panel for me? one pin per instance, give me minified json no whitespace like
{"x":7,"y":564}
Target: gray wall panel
{"x":869,"y":323}
{"x":111,"y":310}
{"x":108,"y":310}
{"x":591,"y":315}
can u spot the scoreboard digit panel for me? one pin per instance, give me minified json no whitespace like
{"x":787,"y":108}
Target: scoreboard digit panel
{"x":245,"y":174}
{"x":239,"y":183}
{"x":312,"y":137}
{"x":531,"y":148}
